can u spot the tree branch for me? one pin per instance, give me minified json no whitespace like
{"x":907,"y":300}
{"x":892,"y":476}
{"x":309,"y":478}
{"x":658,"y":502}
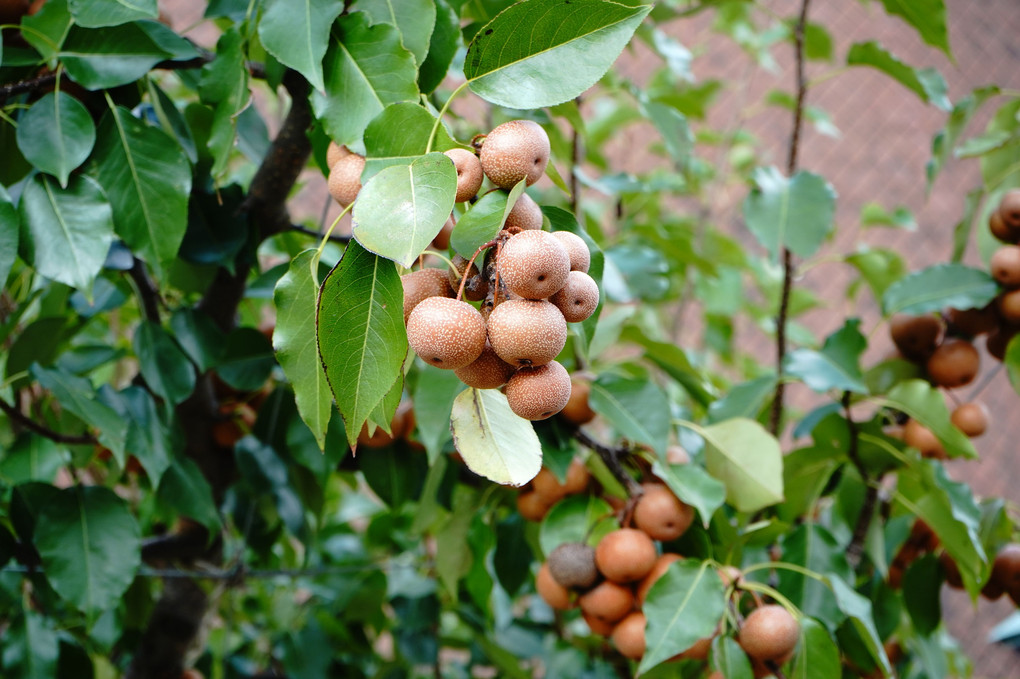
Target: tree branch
{"x":855,"y":550}
{"x":611,"y":457}
{"x":776,"y":415}
{"x":148,"y":295}
{"x":72,"y":439}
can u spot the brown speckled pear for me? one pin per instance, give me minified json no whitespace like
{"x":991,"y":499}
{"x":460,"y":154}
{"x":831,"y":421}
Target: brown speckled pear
{"x":577,"y":250}
{"x":972,"y":322}
{"x":526,"y":332}
{"x":659,"y":569}
{"x":442,"y":239}
{"x":572,"y":564}
{"x":608,"y":601}
{"x":661,"y":514}
{"x":577,"y":299}
{"x":955,"y":363}
{"x":488,"y":371}
{"x":578,"y":411}
{"x":538,"y":393}
{"x":345,"y":179}
{"x":629,"y":636}
{"x":1005,"y":266}
{"x":526,"y":215}
{"x":552,"y":592}
{"x":334,"y":153}
{"x":422,"y":284}
{"x":769,"y":633}
{"x":534,"y":264}
{"x":469,"y":173}
{"x":916,"y":435}
{"x":999,"y":228}
{"x":915,"y":336}
{"x":446,"y":333}
{"x":625,"y":555}
{"x":1009,"y":209}
{"x":971,"y":419}
{"x":515,"y":150}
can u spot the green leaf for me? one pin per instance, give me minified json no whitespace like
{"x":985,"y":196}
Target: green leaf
{"x":637,"y":409}
{"x":1012,"y":362}
{"x":858,"y":609}
{"x":517,"y":59}
{"x":729,"y":658}
{"x":77,"y":396}
{"x":577,"y":518}
{"x":493,"y":440}
{"x":675,"y":131}
{"x":297,"y":34}
{"x":66,"y":233}
{"x":149,"y":435}
{"x":790,"y":213}
{"x":747,"y":459}
{"x":116,"y":55}
{"x":433,"y":399}
{"x":922,"y":585}
{"x":100,"y":13}
{"x":184,"y":491}
{"x":90,"y":547}
{"x":32,"y":458}
{"x":925,"y":403}
{"x":675,"y":363}
{"x":415,"y":20}
{"x":10,"y":226}
{"x":199,"y":337}
{"x":394,"y":476}
{"x":1001,"y":168}
{"x":365,"y":69}
{"x":814,"y":548}
{"x":484,"y":219}
{"x":873,"y":214}
{"x":165,"y":367}
{"x":48,"y":28}
{"x":56,"y":134}
{"x":692,"y":484}
{"x":31,"y":647}
{"x":682,"y":607}
{"x":944,"y":142}
{"x":147,"y":177}
{"x":836,"y":366}
{"x":806,"y":472}
{"x":247,"y":359}
{"x":224,"y":85}
{"x":926,"y":83}
{"x":937,"y":287}
{"x":927,"y":16}
{"x":401,"y":209}
{"x":817,"y":654}
{"x":294,"y":341}
{"x":442,"y":48}
{"x":743,"y":400}
{"x":361,"y":336}
{"x":399,"y":135}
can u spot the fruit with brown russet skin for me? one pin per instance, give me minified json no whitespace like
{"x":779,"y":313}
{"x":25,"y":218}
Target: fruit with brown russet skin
{"x":916,"y":435}
{"x":578,"y":411}
{"x":1005,"y":266}
{"x":572,"y":564}
{"x":953,"y":364}
{"x":660,"y":514}
{"x":552,"y":592}
{"x":971,"y":419}
{"x":698,"y":650}
{"x":769,"y":633}
{"x":915,"y":336}
{"x":629,"y":636}
{"x":658,"y":569}
{"x":533,"y":264}
{"x":525,"y":215}
{"x":488,"y":371}
{"x":446,"y":333}
{"x":549,"y":487}
{"x":345,"y":179}
{"x":526,"y":332}
{"x":598,"y":625}
{"x":1006,"y":568}
{"x":1009,"y":209}
{"x":972,"y":322}
{"x":578,"y":298}
{"x":469,"y":173}
{"x":999,"y":229}
{"x":577,"y":249}
{"x":608,"y":601}
{"x":538,"y":393}
{"x":442,"y":239}
{"x":952,"y":571}
{"x":515,"y":150}
{"x":1008,"y":304}
{"x":625,"y":555}
{"x":422,"y":284}
{"x":532,"y":506}
{"x":335,"y":153}
{"x":998,"y":341}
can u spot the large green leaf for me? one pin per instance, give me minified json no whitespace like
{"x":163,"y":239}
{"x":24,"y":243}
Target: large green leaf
{"x":938,"y":287}
{"x":682,"y":607}
{"x":183,"y":490}
{"x":400,"y":134}
{"x":77,"y":396}
{"x":361,"y":336}
{"x":166,"y":368}
{"x":927,"y":16}
{"x":100,"y":13}
{"x":729,"y":658}
{"x":817,"y":654}
{"x":442,"y":47}
{"x":89,"y":544}
{"x":494,"y":441}
{"x":294,"y":342}
{"x":47,"y":29}
{"x":66,"y":233}
{"x":149,"y":436}
{"x":108,"y":57}
{"x":545,"y":52}
{"x":402,"y":208}
{"x":836,"y":366}
{"x":858,"y":608}
{"x":922,"y":585}
{"x":365,"y":69}
{"x":925,"y":403}
{"x":297,"y":33}
{"x":433,"y":402}
{"x":484,"y":219}
{"x":789,"y":213}
{"x":31,"y":647}
{"x":814,"y":548}
{"x":147,"y":177}
{"x":32,"y":458}
{"x":577,"y":518}
{"x":926,"y":83}
{"x":224,"y":85}
{"x":10,"y":226}
{"x":415,"y":20}
{"x":692,"y":484}
{"x":747,"y":459}
{"x":637,"y":409}
{"x":56,"y":134}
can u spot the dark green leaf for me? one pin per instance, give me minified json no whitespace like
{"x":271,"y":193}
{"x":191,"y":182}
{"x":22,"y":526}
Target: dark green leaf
{"x":166,"y":368}
{"x":517,"y":59}
{"x":926,"y":83}
{"x":814,"y":548}
{"x":836,"y":366}
{"x":361,"y":336}
{"x":89,"y":544}
{"x":675,"y":131}
{"x":692,"y":484}
{"x":817,"y":654}
{"x":442,"y":48}
{"x":806,"y":472}
{"x":483,"y":220}
{"x":858,"y":608}
{"x":66,"y":232}
{"x":790,"y":213}
{"x":926,"y":404}
{"x":183,"y":490}
{"x":48,"y":28}
{"x":415,"y":20}
{"x":10,"y":226}
{"x":77,"y":396}
{"x":32,"y":458}
{"x":149,"y":435}
{"x":395,"y":473}
{"x":399,"y":135}
{"x":1012,"y":362}
{"x":927,"y":16}
{"x":577,"y":518}
{"x":729,"y":658}
{"x":402,"y":208}
{"x":224,"y":85}
{"x":298,"y":33}
{"x":247,"y":359}
{"x":108,"y":57}
{"x":31,"y":647}
{"x":937,"y":287}
{"x":56,"y":134}
{"x":100,"y":13}
{"x":199,"y":337}
{"x":493,"y":440}
{"x":433,"y":402}
{"x":637,"y":409}
{"x":747,"y":459}
{"x":922,"y":585}
{"x":743,"y":400}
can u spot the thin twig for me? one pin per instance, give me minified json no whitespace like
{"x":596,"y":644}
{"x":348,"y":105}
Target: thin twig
{"x":41,"y":429}
{"x":311,"y":232}
{"x":148,"y":295}
{"x":611,"y":457}
{"x":576,"y":155}
{"x":855,"y":550}
{"x":776,"y":416}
